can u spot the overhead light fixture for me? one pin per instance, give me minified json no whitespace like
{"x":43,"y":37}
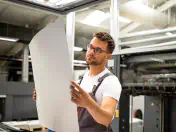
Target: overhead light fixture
{"x":91,"y":19}
{"x":9,"y":39}
{"x":121,"y":19}
{"x":140,"y":6}
{"x":61,"y":2}
{"x":55,"y":2}
{"x":39,"y":0}
{"x":157,"y":60}
{"x":80,"y":65}
{"x":123,"y":65}
{"x":78,"y":49}
{"x":169,"y":33}
{"x":124,"y":20}
{"x":80,"y":61}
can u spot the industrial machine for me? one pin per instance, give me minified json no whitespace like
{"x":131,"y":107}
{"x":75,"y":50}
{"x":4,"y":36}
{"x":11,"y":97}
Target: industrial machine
{"x":155,"y":81}
{"x":13,"y":99}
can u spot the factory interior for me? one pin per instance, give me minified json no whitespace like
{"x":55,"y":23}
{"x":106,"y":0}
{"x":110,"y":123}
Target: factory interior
{"x":144,"y":59}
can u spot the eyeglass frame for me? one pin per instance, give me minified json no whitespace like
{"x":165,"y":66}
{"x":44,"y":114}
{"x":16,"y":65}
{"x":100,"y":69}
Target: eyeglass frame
{"x":94,"y":48}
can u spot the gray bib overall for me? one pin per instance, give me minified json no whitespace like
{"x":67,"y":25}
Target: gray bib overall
{"x":86,"y":121}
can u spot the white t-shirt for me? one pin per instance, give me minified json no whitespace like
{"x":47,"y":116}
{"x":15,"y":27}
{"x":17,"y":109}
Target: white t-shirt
{"x":109,"y":87}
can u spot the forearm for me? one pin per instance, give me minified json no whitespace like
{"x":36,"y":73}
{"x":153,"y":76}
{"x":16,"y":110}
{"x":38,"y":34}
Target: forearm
{"x":100,"y":115}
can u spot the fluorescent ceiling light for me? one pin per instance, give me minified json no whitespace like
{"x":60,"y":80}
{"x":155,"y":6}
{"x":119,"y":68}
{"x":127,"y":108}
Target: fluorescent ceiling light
{"x":95,"y":18}
{"x":9,"y":39}
{"x":78,"y":49}
{"x":121,"y":19}
{"x":169,"y":33}
{"x":39,"y":0}
{"x":62,"y":2}
{"x":80,"y":65}
{"x":123,"y":65}
{"x":140,"y":6}
{"x":124,"y":20}
{"x":55,"y":2}
{"x":79,"y":61}
{"x":157,"y":59}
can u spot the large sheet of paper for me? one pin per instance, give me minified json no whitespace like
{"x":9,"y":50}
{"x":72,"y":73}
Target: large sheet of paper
{"x":52,"y":74}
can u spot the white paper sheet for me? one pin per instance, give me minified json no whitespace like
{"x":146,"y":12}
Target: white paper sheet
{"x":52,"y":74}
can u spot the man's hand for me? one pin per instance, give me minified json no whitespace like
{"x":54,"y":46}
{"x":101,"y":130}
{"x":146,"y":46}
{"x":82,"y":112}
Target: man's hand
{"x":102,"y":114}
{"x":79,"y":96}
{"x":34,"y":95}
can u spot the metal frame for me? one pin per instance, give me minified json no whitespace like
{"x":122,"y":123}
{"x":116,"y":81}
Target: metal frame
{"x":171,"y":45}
{"x":149,"y":32}
{"x":85,"y":4}
{"x":152,"y":114}
{"x":147,"y":40}
{"x":114,"y":31}
{"x":170,"y":115}
{"x":154,"y":47}
{"x":124,"y":124}
{"x":159,"y":109}
{"x":25,"y":68}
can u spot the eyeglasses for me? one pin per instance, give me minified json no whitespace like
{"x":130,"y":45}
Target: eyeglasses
{"x":96,"y":50}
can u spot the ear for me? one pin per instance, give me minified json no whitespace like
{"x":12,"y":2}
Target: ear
{"x":108,"y":56}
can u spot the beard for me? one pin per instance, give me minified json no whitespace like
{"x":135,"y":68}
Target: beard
{"x":93,"y":61}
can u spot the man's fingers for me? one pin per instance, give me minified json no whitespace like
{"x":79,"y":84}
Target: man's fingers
{"x":72,"y":87}
{"x":34,"y":94}
{"x":34,"y":97}
{"x":74,"y":100}
{"x":76,"y":92}
{"x":76,"y":96}
{"x":77,"y":86}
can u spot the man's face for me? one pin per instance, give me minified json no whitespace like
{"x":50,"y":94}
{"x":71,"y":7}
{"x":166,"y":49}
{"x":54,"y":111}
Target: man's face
{"x":93,"y":58}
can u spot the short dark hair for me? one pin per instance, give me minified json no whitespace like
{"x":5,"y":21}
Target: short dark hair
{"x":105,"y":37}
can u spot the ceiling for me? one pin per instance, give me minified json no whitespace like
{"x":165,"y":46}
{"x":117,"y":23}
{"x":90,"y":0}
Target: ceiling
{"x":5,"y":47}
{"x":21,"y":16}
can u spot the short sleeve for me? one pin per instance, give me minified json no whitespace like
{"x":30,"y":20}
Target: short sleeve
{"x":111,"y":87}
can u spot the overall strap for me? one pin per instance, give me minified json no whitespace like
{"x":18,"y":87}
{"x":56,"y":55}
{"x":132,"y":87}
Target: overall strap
{"x":80,"y":78}
{"x":100,"y":80}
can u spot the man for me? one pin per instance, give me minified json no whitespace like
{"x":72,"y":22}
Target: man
{"x":98,"y":91}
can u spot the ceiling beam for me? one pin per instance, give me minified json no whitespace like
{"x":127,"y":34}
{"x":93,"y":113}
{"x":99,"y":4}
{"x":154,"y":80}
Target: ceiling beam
{"x":46,"y":20}
{"x":148,"y":40}
{"x":12,"y":31}
{"x":148,"y":58}
{"x":134,"y":25}
{"x":166,"y":6}
{"x":130,"y":27}
{"x":23,"y":34}
{"x":5,"y":8}
{"x":15,"y":50}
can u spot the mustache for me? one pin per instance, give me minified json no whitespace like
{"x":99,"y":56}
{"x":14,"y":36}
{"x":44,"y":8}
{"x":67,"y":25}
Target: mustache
{"x":89,"y":55}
